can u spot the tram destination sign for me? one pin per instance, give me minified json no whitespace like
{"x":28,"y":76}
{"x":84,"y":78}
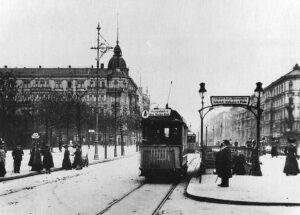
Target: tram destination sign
{"x":230,"y":100}
{"x":160,"y":112}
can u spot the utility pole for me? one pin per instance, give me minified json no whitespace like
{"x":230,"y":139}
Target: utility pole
{"x":103,"y":48}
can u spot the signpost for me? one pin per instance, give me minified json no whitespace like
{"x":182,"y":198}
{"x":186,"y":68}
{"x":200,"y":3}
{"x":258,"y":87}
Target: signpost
{"x":230,"y":100}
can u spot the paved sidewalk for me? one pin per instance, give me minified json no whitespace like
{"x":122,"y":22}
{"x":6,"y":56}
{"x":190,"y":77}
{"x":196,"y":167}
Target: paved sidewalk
{"x":273,"y":188}
{"x":58,"y":157}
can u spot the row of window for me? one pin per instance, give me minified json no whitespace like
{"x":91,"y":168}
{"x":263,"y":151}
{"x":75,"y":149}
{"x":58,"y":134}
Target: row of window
{"x":81,"y":84}
{"x":278,"y":89}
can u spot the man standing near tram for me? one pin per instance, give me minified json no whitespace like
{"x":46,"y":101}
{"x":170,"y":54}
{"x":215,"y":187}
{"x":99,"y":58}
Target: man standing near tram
{"x":223,"y":164}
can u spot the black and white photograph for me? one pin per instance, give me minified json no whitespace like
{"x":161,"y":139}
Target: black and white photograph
{"x":149,"y":107}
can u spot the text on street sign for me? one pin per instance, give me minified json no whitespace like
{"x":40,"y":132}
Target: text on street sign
{"x":230,"y":100}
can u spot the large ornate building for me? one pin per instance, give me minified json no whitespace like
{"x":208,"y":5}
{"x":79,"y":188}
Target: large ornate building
{"x":117,"y":91}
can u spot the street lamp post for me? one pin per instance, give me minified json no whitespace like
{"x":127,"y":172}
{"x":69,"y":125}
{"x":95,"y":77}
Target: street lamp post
{"x":202,"y":91}
{"x":96,"y":156}
{"x":101,"y":48}
{"x":255,"y":162}
{"x":206,"y":135}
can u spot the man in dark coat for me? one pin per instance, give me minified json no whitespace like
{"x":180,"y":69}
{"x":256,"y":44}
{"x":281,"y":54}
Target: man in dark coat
{"x":224,"y":164}
{"x":17,"y":154}
{"x":48,"y":160}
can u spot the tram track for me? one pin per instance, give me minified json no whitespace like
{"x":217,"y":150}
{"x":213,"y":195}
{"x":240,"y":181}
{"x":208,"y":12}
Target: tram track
{"x":160,"y":204}
{"x":120,"y":199}
{"x":156,"y":211}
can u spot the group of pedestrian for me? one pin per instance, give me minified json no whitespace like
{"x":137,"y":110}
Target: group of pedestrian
{"x":40,"y":158}
{"x":35,"y":160}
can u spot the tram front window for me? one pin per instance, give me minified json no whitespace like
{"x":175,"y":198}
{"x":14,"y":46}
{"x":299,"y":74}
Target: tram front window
{"x":162,"y":136}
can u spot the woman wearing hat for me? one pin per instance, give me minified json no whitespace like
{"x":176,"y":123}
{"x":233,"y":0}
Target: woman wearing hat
{"x":291,"y":165}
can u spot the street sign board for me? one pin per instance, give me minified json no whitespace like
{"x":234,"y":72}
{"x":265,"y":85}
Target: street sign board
{"x":91,"y":131}
{"x":160,"y":112}
{"x":230,"y":100}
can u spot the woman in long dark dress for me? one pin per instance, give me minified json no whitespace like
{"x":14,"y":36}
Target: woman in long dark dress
{"x":31,"y":155}
{"x":274,"y":151}
{"x":48,"y":160}
{"x":66,"y":164}
{"x":238,"y":164}
{"x":37,"y":160}
{"x":291,"y":165}
{"x":77,"y":164}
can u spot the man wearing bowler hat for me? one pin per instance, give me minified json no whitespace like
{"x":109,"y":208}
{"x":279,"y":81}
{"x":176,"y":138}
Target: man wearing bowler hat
{"x":224,"y":164}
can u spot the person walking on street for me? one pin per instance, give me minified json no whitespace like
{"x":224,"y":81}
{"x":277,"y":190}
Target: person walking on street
{"x":274,"y":151}
{"x":2,"y":160}
{"x":66,"y":164}
{"x":60,"y":144}
{"x":48,"y":160}
{"x":17,"y":154}
{"x":238,"y":163}
{"x":35,"y":158}
{"x":77,"y":164}
{"x":224,"y":164}
{"x":291,"y":165}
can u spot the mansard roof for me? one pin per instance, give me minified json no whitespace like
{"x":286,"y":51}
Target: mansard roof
{"x":294,"y":74}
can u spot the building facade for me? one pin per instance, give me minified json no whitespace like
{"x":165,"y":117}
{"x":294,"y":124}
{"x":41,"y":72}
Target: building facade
{"x":281,"y":112}
{"x":120,"y":100}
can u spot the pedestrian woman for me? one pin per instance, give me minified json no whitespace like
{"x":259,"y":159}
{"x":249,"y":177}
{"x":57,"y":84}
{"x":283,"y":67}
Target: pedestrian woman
{"x":224,"y":164}
{"x":2,"y":160}
{"x":36,"y":159}
{"x":238,"y":163}
{"x":274,"y":151}
{"x":77,"y":164}
{"x":291,"y":165}
{"x":66,"y":164}
{"x":17,"y":154}
{"x":48,"y":160}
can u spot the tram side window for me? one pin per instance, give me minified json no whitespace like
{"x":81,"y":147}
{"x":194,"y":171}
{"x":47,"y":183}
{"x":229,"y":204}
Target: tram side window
{"x":167,"y":132}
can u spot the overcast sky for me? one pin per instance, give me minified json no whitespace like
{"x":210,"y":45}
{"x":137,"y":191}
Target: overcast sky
{"x":228,"y":44}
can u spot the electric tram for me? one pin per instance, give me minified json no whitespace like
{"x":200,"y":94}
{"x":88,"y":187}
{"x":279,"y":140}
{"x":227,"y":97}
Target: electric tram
{"x":164,"y":144}
{"x":191,"y":142}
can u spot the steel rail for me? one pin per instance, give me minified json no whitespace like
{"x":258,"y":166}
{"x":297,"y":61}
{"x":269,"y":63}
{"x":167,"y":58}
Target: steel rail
{"x":120,"y":199}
